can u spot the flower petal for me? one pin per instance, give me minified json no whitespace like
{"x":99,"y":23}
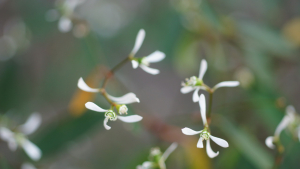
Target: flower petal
{"x":282,"y":125}
{"x":203,"y":68}
{"x":269,"y":142}
{"x":138,"y":41}
{"x":32,"y":124}
{"x":27,"y":166}
{"x":195,"y":95}
{"x":209,"y":151}
{"x":126,"y":99}
{"x":155,"y":57}
{"x":170,"y":149}
{"x":31,"y":149}
{"x":64,"y":24}
{"x":188,"y":131}
{"x":200,"y":143}
{"x":202,"y":104}
{"x":6,"y":134}
{"x":83,"y":86}
{"x":94,"y":107}
{"x":150,"y":70}
{"x":226,"y":84}
{"x":186,"y":89}
{"x":298,"y":132}
{"x":135,"y":64}
{"x":219,"y":141}
{"x":105,"y":124}
{"x":130,"y":119}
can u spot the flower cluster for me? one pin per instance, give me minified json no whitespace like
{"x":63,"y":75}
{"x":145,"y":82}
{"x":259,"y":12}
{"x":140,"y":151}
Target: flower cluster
{"x":110,"y":113}
{"x":196,"y":83}
{"x":157,"y":158}
{"x":290,"y":121}
{"x":18,"y":137}
{"x":205,"y":133}
{"x":119,"y":103}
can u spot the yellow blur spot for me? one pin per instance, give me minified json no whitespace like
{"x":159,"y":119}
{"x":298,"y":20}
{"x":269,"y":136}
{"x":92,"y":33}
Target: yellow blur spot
{"x":292,"y":31}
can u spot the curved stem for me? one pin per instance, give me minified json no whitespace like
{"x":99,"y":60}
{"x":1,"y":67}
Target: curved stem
{"x":279,"y":155}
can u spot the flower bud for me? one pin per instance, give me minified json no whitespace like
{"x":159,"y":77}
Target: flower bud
{"x":123,"y":109}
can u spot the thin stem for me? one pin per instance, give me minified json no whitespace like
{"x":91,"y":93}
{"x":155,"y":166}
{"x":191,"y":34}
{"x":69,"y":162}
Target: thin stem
{"x":112,"y":71}
{"x":109,"y":75}
{"x":209,"y":105}
{"x":279,"y":155}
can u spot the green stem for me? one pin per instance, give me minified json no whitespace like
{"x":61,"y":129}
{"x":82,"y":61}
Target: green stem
{"x":279,"y":154}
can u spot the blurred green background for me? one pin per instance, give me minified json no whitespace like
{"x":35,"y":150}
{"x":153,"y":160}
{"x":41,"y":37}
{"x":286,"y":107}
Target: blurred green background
{"x":254,"y":42}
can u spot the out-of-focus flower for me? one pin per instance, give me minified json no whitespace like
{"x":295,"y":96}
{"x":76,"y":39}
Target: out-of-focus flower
{"x":205,"y":134}
{"x":112,"y":116}
{"x":19,"y":137}
{"x":144,"y":62}
{"x":157,"y":159}
{"x":291,"y":121}
{"x":125,"y":99}
{"x":27,"y":166}
{"x":196,"y":83}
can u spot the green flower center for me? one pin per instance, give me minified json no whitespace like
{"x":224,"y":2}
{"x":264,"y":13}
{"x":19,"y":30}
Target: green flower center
{"x":111,"y":115}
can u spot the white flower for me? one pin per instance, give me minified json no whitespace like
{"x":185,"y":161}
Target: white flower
{"x":288,"y":119}
{"x":125,"y":99}
{"x":196,"y":83}
{"x":18,"y":138}
{"x":145,"y":61}
{"x":111,"y":115}
{"x":204,"y":134}
{"x":155,"y":152}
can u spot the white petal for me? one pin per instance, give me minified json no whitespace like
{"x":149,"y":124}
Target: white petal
{"x":227,"y":84}
{"x":290,"y":111}
{"x":83,"y":86}
{"x":282,"y":125}
{"x":209,"y":151}
{"x":155,"y":57}
{"x":94,"y":107}
{"x":202,"y":104}
{"x":148,"y":165}
{"x":126,"y":99}
{"x":27,"y":166}
{"x":135,"y":64}
{"x":64,"y":24}
{"x":6,"y":134}
{"x":188,"y":131}
{"x":31,"y":149}
{"x":150,"y":70}
{"x":105,"y":124}
{"x":219,"y":141}
{"x":195,"y":95}
{"x":170,"y":149}
{"x":186,"y":89}
{"x":32,"y":124}
{"x":269,"y":142}
{"x":138,"y":41}
{"x":203,"y":68}
{"x":200,"y":143}
{"x":130,"y":119}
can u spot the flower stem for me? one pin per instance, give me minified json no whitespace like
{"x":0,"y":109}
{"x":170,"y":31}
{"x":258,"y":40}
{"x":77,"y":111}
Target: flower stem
{"x":109,"y":75}
{"x":209,"y":105}
{"x":279,"y":155}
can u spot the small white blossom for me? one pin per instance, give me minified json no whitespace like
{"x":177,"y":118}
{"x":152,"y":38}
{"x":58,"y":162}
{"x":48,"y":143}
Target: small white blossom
{"x":19,"y":138}
{"x":144,"y":62}
{"x":125,"y":99}
{"x":196,"y":83}
{"x":205,"y":134}
{"x":289,"y":120}
{"x":156,"y":154}
{"x":111,"y":115}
